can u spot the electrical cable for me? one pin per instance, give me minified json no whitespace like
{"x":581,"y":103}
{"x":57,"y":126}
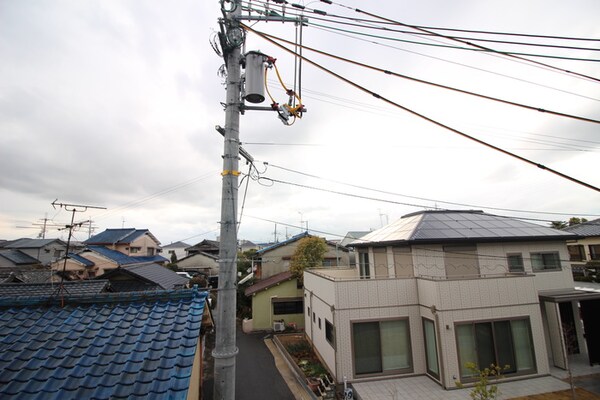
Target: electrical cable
{"x":319,"y":16}
{"x":577,"y":74}
{"x":449,"y":61}
{"x":428,"y":199}
{"x":398,"y":75}
{"x":431,"y":120}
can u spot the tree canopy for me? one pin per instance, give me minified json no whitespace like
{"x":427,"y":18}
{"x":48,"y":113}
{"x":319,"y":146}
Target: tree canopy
{"x":309,"y":254}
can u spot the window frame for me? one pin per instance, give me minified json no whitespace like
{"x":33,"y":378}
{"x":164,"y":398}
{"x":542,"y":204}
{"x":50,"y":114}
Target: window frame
{"x":478,"y":352}
{"x":330,"y":333}
{"x":295,"y":304}
{"x":398,"y":371}
{"x":511,"y":268}
{"x":545,"y":268}
{"x":364,"y":266}
{"x":579,"y":254}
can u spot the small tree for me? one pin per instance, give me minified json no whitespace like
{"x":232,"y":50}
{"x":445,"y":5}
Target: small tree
{"x":309,"y":254}
{"x":173,"y":258}
{"x":484,"y":389}
{"x":244,"y":265}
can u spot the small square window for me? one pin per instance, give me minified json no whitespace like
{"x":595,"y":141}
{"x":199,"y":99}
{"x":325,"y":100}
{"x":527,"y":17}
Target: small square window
{"x":515,"y":262}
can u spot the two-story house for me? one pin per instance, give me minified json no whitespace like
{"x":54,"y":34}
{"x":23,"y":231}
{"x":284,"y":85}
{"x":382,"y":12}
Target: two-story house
{"x":436,"y":290}
{"x":129,"y":241}
{"x":45,"y":251}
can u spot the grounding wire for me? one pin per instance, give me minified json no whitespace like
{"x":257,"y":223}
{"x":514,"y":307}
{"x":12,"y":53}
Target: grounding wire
{"x":424,"y":117}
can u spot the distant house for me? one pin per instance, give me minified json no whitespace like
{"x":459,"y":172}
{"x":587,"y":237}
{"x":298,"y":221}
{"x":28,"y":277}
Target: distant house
{"x":276,"y":300}
{"x":438,"y":289}
{"x":140,"y":277}
{"x":585,"y":250}
{"x":245,"y":245}
{"x":129,"y":241}
{"x":205,"y":246}
{"x":16,"y":259}
{"x":106,"y":346}
{"x":28,"y":275}
{"x":177,"y":248}
{"x":45,"y":251}
{"x":96,"y":260}
{"x":276,"y":258}
{"x":205,"y":263}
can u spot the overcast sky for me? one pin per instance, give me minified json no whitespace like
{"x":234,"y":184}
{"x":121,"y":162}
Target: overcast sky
{"x":113,"y":103}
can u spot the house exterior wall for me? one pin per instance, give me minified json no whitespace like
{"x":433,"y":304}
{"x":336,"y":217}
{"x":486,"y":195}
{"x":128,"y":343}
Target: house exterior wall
{"x":493,"y":294}
{"x":46,"y":254}
{"x":278,"y":259}
{"x":200,"y":263}
{"x":144,"y":244}
{"x":262,"y":308}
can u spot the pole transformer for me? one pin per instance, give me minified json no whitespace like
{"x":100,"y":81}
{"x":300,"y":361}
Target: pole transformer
{"x":225,"y":351}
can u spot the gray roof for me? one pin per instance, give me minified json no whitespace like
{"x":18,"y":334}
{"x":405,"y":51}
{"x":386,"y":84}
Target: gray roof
{"x":17,"y":257}
{"x":151,"y":273}
{"x":26,"y":243}
{"x":13,"y":290}
{"x":590,"y":228}
{"x":176,"y":245}
{"x":447,"y":226}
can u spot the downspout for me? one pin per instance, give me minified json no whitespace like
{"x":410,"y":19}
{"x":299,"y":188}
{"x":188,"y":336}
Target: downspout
{"x":439,"y":345}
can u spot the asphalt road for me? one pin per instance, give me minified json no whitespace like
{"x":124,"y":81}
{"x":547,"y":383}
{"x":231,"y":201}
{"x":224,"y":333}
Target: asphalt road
{"x":256,"y":377}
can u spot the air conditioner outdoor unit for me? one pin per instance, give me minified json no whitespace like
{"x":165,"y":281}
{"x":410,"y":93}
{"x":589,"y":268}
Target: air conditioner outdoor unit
{"x":278,"y":326}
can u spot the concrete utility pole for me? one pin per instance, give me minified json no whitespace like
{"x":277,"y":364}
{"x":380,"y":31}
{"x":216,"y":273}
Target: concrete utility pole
{"x":225,"y":350}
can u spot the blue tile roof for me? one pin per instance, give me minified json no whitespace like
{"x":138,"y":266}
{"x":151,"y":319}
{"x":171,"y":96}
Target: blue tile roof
{"x":106,"y":346}
{"x":119,"y":236}
{"x":114,"y":255}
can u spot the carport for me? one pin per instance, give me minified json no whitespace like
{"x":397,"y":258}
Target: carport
{"x":571,"y":323}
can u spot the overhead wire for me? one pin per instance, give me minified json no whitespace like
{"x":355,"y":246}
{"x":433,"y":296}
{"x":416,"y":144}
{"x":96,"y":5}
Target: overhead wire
{"x":552,"y":67}
{"x":428,"y":199}
{"x":433,"y":57}
{"x":331,"y":18}
{"x":398,"y":75}
{"x":422,"y":116}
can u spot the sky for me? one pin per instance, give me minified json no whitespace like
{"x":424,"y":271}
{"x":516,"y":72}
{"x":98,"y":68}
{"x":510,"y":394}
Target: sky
{"x":114,"y":103}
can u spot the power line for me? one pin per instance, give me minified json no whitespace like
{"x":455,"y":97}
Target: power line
{"x":471,"y":44}
{"x":427,"y":199}
{"x":422,"y":116}
{"x":398,"y":75}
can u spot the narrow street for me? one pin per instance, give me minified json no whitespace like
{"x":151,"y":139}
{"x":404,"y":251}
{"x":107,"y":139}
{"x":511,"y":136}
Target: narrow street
{"x":256,"y":376}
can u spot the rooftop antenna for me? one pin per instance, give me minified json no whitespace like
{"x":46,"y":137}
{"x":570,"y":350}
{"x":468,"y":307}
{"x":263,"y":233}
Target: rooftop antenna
{"x":73,"y":208}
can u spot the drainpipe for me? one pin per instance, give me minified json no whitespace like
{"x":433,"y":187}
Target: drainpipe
{"x":439,"y":345}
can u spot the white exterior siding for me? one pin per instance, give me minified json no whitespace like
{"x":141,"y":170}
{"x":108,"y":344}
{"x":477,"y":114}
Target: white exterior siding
{"x":495,"y":294}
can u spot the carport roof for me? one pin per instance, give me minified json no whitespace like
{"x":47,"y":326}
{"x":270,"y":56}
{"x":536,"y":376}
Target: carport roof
{"x":567,"y":295}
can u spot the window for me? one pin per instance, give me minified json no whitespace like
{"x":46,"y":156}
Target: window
{"x":502,"y":343}
{"x":576,"y":252}
{"x":515,"y":262}
{"x":329,"y":333}
{"x":381,"y":347}
{"x":431,"y":355}
{"x":320,"y":323}
{"x":57,"y":253}
{"x":365,"y":270}
{"x":545,"y":261}
{"x":288,"y":306}
{"x":594,"y":251}
{"x":134,"y":250}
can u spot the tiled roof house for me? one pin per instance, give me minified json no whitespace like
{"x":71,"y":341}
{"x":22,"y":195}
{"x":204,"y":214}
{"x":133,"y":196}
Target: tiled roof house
{"x":130,"y":241}
{"x":111,"y":346}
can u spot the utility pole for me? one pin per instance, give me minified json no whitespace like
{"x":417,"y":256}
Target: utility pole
{"x":225,"y":350}
{"x":232,"y":38}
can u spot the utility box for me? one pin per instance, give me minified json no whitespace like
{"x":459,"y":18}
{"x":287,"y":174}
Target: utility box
{"x":255,"y":77}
